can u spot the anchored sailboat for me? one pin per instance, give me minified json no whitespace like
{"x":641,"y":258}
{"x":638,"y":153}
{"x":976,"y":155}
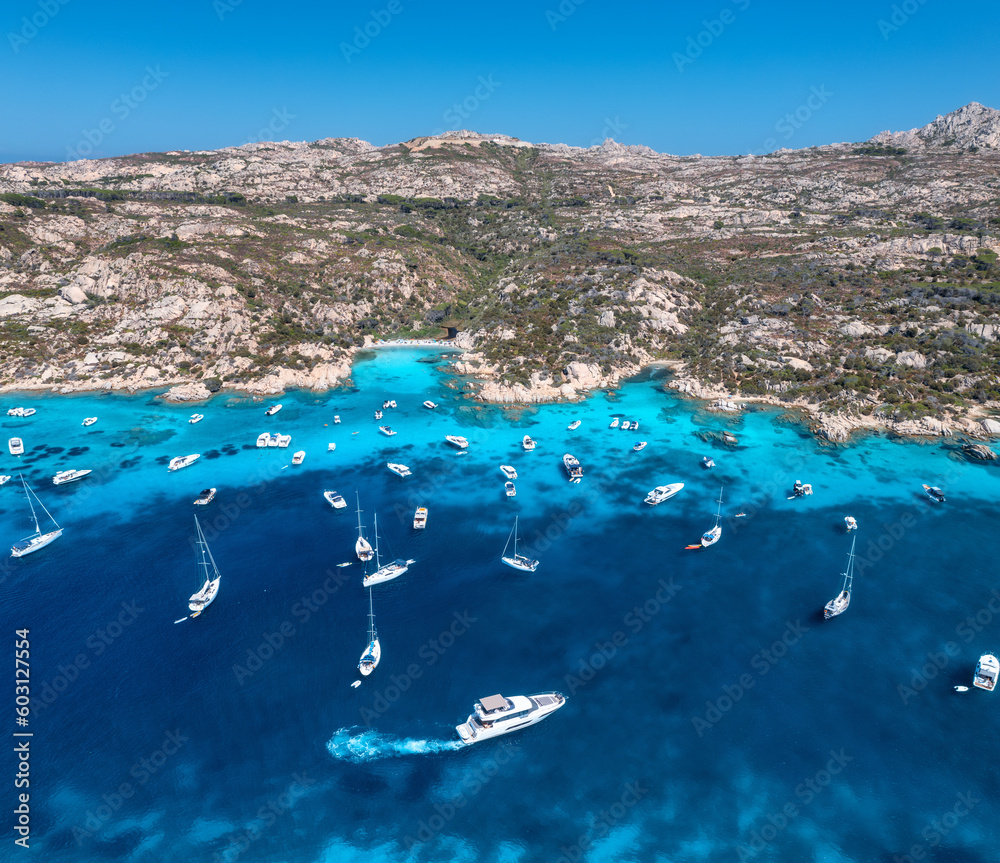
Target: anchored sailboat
{"x":362,"y":547}
{"x":711,"y":537}
{"x":517,"y":561}
{"x":210,"y":589}
{"x":38,"y":539}
{"x":839,"y":605}
{"x":373,"y":652}
{"x":387,"y":572}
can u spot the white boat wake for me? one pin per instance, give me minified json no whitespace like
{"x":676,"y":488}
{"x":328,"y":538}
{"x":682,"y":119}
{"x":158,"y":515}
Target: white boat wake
{"x":372,"y":746}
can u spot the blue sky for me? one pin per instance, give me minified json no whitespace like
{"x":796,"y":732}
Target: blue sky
{"x":92,"y":78}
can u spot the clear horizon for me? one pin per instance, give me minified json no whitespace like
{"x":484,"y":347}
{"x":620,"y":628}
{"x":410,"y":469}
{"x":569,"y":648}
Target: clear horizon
{"x":725,"y":77}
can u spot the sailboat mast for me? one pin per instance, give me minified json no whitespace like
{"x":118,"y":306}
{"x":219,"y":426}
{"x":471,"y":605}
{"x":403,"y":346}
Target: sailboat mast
{"x":202,"y":547}
{"x":849,"y":575}
{"x":718,"y":512}
{"x":27,"y":494}
{"x":378,"y":563}
{"x":371,"y":617}
{"x":357,"y":497}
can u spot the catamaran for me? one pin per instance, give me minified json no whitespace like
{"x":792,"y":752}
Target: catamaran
{"x":362,"y":547}
{"x":517,"y":561}
{"x":839,"y":604}
{"x":209,"y":590}
{"x":496,"y":715}
{"x":711,"y":537}
{"x":373,"y":652}
{"x":387,"y":572}
{"x":38,"y":539}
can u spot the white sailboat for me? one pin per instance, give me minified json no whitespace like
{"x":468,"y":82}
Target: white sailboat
{"x":203,"y":598}
{"x":515,"y":560}
{"x":387,"y":572}
{"x":711,"y":537}
{"x":839,"y":604}
{"x":38,"y":539}
{"x":373,"y":652}
{"x":362,"y":547}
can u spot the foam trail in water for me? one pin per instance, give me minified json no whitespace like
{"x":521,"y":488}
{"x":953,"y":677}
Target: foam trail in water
{"x":371,"y":746}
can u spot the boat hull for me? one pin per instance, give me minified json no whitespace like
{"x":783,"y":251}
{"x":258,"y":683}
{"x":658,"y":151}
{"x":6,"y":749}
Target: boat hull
{"x":27,"y":546}
{"x":370,"y":658}
{"x":387,"y":573}
{"x":472,"y":731}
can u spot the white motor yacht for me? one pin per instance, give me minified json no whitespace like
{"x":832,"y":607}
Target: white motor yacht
{"x":273,"y":439}
{"x":496,"y":715}
{"x":263,"y":439}
{"x":614,"y":423}
{"x":850,"y":522}
{"x":509,"y":489}
{"x":934,"y":493}
{"x":299,"y":457}
{"x":399,"y":469}
{"x":284,"y":440}
{"x":65,"y":476}
{"x":196,"y":418}
{"x":334,"y":499}
{"x":987,"y":670}
{"x":420,"y":518}
{"x":89,"y":421}
{"x":271,"y":411}
{"x":28,"y":412}
{"x":4,"y":479}
{"x":663,"y":492}
{"x":205,"y":497}
{"x":183,"y":461}
{"x":430,"y":405}
{"x":639,"y":445}
{"x":16,"y":446}
{"x":457,"y":440}
{"x":573,"y":467}
{"x":388,"y":432}
{"x":573,"y":425}
{"x":508,"y":471}
{"x":527,"y":444}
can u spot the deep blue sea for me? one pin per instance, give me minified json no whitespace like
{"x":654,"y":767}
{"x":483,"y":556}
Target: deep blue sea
{"x":712,"y":714}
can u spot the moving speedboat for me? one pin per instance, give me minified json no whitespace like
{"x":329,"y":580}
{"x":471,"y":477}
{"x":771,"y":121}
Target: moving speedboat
{"x":496,"y":715}
{"x":334,"y":499}
{"x":430,"y":405}
{"x":65,"y":476}
{"x":850,"y":522}
{"x":196,"y":418}
{"x":573,"y":425}
{"x":183,"y":461}
{"x":663,"y":492}
{"x":388,"y":432}
{"x":987,"y":670}
{"x":527,"y":444}
{"x":573,"y":468}
{"x":205,"y":497}
{"x":457,"y":440}
{"x":509,"y":489}
{"x":400,"y":469}
{"x":508,"y":471}
{"x":16,"y":446}
{"x":271,"y":411}
{"x":299,"y":457}
{"x":934,"y":493}
{"x":420,"y":518}
{"x":89,"y":421}
{"x":639,"y":445}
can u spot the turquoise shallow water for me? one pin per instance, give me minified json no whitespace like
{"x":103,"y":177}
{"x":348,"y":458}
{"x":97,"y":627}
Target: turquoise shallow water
{"x":712,"y":715}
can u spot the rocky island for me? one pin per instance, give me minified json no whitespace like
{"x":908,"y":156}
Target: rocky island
{"x":859,"y":281}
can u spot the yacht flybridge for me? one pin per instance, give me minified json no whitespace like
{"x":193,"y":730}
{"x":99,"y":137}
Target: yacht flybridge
{"x":457,"y":440}
{"x":496,"y":715}
{"x":573,"y":468}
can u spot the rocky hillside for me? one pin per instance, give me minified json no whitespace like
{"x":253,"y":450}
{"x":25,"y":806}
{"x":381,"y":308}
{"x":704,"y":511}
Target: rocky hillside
{"x":861,"y":280}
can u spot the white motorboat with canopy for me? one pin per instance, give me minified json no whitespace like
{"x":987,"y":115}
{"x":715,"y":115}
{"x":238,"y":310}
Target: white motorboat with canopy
{"x":496,"y":715}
